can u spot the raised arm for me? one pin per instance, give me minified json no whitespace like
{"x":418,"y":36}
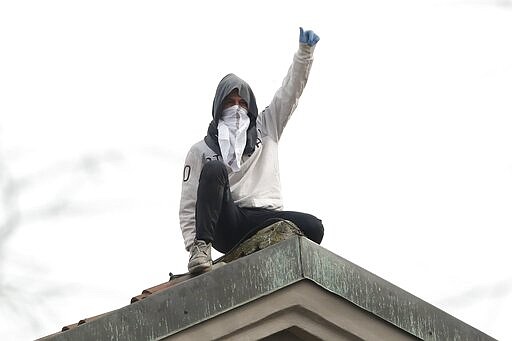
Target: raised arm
{"x":274,"y":118}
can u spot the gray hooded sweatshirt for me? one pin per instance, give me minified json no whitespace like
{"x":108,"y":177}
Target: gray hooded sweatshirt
{"x":257,"y":183}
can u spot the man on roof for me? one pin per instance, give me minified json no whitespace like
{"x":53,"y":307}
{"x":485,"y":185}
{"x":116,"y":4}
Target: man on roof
{"x":231,"y":185}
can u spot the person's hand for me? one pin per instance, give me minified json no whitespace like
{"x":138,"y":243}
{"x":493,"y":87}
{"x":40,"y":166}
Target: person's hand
{"x":308,"y":37}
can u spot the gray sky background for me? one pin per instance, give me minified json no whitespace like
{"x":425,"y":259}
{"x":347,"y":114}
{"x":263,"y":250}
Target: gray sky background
{"x":401,"y":143}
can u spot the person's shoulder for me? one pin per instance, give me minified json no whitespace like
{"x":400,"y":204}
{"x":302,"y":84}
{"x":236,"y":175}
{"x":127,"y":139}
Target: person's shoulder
{"x":199,"y":145}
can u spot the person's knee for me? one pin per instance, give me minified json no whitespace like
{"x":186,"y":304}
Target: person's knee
{"x":316,"y":230}
{"x":311,"y":226}
{"x":213,"y":171}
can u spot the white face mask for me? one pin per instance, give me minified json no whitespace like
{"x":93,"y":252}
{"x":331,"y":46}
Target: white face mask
{"x":232,"y":135}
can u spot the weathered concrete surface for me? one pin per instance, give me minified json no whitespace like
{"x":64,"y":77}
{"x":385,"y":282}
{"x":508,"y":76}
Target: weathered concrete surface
{"x":270,"y":235}
{"x":302,"y":311}
{"x":197,"y":299}
{"x":249,"y":278}
{"x":382,"y":298}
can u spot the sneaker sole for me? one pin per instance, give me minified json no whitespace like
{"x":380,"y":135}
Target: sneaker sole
{"x":200,"y":268}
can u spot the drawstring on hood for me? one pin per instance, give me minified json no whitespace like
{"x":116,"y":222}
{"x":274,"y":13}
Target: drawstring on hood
{"x":227,"y":84}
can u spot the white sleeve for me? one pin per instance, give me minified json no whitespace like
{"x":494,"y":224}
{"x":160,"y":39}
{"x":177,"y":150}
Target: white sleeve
{"x":191,"y":172}
{"x":274,"y":118}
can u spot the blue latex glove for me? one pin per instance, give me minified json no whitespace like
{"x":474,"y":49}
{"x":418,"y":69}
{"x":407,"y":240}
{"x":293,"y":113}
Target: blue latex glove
{"x":308,"y":37}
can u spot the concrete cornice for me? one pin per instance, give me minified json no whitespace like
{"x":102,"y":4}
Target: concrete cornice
{"x":262,"y":273}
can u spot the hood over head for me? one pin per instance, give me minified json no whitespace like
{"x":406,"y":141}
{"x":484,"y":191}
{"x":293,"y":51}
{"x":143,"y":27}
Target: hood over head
{"x":226,"y":85}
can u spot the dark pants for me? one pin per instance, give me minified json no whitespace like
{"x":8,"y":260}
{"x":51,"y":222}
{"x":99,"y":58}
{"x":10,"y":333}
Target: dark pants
{"x":220,"y":221}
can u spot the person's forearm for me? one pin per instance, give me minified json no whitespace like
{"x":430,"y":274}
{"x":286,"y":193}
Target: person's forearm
{"x":286,"y":98}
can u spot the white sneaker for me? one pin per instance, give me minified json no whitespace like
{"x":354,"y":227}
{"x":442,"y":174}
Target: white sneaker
{"x":200,"y":257}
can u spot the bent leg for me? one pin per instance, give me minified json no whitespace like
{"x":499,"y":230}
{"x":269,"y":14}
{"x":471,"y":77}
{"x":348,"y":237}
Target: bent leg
{"x":213,"y":195}
{"x":216,"y":214}
{"x":311,"y":226}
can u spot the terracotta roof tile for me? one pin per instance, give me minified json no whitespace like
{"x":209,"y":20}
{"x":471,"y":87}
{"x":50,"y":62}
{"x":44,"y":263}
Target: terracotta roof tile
{"x":172,"y":282}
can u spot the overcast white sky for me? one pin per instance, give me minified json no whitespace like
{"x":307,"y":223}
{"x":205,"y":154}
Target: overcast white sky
{"x":401,"y":142}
